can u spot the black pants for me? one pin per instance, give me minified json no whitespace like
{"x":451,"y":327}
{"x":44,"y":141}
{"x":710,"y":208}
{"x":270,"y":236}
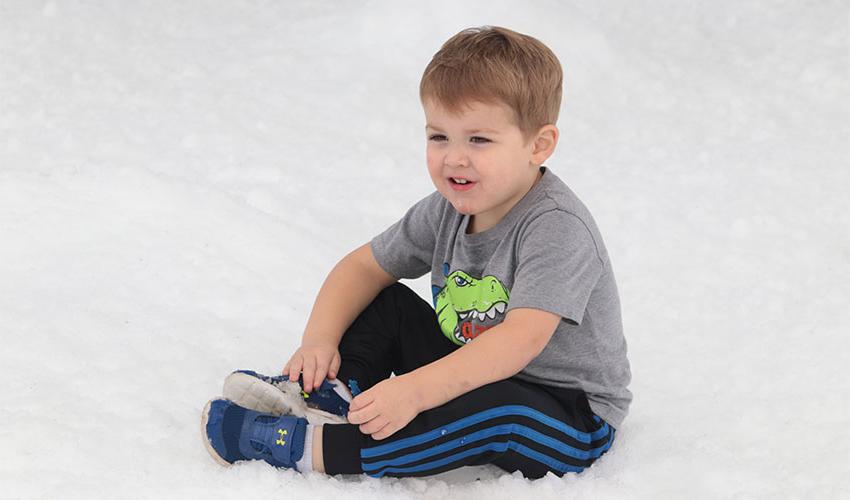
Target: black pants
{"x":513,"y":424}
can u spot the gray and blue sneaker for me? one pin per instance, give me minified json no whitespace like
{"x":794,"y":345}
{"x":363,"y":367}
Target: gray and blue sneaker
{"x":232,"y":433}
{"x":280,"y":396}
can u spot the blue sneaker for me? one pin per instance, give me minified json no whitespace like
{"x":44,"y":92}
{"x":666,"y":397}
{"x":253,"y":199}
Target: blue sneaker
{"x":280,"y":396}
{"x":233,"y":433}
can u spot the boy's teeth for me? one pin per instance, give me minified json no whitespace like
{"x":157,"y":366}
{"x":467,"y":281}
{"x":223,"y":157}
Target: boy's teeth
{"x":460,"y":181}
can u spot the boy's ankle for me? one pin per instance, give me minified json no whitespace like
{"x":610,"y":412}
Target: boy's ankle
{"x":312,"y":457}
{"x":318,"y":455}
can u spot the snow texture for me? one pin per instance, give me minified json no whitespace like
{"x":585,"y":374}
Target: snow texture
{"x":178,"y":178}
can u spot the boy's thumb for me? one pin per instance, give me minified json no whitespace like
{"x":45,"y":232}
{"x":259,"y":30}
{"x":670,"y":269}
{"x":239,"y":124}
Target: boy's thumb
{"x":354,"y":405}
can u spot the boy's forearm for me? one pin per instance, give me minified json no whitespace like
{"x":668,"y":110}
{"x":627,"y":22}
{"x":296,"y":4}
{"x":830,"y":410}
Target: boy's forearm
{"x":347,"y":290}
{"x":499,"y":354}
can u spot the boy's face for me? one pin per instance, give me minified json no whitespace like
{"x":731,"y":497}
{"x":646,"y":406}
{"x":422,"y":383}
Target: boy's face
{"x":485,"y":147}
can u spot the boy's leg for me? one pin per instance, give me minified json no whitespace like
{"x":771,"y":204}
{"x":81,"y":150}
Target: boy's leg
{"x":396,"y":333}
{"x":513,"y":424}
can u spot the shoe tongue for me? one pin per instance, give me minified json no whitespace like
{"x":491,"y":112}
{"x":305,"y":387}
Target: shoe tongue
{"x":276,"y":440}
{"x":293,"y":449}
{"x":262,"y":437}
{"x":272,"y":441}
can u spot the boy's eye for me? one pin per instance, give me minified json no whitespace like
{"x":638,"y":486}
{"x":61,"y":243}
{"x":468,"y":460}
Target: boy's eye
{"x":476,"y":139}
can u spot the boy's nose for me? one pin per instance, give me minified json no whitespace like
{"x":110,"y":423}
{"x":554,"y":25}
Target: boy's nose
{"x":456,"y":158}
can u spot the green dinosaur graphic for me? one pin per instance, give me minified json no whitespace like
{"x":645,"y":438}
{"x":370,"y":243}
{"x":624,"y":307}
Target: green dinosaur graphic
{"x":465,"y":302}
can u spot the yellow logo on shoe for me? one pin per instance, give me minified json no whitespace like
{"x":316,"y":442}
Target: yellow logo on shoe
{"x":282,"y":433}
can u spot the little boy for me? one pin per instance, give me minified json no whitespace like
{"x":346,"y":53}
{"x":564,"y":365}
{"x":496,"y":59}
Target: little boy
{"x":521,"y":362}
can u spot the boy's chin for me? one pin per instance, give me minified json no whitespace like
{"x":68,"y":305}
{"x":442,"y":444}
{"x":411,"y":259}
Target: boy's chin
{"x":463,"y":208}
{"x":461,"y":205}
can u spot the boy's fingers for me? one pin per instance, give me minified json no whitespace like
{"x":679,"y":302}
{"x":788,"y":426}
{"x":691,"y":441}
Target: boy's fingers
{"x":320,"y":377}
{"x":309,"y":372}
{"x":374,"y":425}
{"x":387,"y":431}
{"x":335,"y":362}
{"x":362,"y":415}
{"x":294,"y":370}
{"x":360,"y":401}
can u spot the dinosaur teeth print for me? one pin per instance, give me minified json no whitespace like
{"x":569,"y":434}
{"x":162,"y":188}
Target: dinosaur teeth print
{"x":468,"y":306}
{"x":497,"y":308}
{"x":459,"y":336}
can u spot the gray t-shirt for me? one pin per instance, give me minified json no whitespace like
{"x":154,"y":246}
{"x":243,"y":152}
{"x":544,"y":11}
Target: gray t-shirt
{"x":546,"y":253}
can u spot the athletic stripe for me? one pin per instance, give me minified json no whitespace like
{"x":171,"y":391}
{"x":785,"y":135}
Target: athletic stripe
{"x":498,"y":430}
{"x":473,"y":419}
{"x":552,"y":463}
{"x":493,"y":422}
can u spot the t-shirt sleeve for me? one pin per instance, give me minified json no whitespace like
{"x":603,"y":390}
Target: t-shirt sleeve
{"x":406,"y":249}
{"x":558,"y":266}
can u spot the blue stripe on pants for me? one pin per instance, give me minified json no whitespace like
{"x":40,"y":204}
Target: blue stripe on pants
{"x":497,"y":430}
{"x":502,"y":429}
{"x":494,"y":446}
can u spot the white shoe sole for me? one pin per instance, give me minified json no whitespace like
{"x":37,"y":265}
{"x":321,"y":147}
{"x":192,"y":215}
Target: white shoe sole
{"x":207,"y":443}
{"x":250,"y":392}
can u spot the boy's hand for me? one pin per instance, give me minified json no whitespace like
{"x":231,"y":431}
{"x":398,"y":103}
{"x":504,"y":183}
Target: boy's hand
{"x":315,"y":362}
{"x":385,"y":408}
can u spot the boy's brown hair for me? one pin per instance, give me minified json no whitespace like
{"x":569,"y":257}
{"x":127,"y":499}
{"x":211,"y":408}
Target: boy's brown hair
{"x":492,"y":64}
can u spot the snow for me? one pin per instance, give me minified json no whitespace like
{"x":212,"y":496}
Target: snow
{"x":178,"y":178}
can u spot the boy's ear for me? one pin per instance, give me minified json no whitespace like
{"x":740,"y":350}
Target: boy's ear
{"x":544,"y":144}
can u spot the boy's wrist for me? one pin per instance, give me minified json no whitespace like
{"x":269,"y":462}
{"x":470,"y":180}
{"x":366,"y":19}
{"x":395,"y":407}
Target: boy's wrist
{"x":318,"y":339}
{"x":426,"y":390}
{"x":312,"y":341}
{"x":418,"y":390}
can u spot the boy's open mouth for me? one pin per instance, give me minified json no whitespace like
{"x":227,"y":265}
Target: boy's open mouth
{"x":459,"y":183}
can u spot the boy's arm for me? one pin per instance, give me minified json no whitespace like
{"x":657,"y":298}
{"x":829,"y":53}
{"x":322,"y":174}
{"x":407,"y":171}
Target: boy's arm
{"x":351,"y":285}
{"x":499,"y":354}
{"x":337,"y":304}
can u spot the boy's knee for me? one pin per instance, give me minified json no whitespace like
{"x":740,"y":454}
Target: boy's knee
{"x":397,"y":292}
{"x":399,"y":288}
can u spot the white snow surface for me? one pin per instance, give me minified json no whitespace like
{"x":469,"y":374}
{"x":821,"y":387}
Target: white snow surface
{"x":178,"y":178}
